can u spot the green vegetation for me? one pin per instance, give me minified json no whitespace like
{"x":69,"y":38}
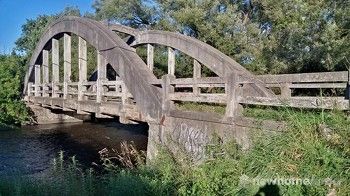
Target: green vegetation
{"x":302,"y":152}
{"x":265,"y":36}
{"x":201,"y":107}
{"x":12,"y":110}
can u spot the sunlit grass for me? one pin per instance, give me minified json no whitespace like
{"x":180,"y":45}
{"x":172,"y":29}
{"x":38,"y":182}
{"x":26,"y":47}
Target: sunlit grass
{"x":201,"y":107}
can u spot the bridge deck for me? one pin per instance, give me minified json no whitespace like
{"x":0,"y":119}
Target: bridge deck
{"x":102,"y":109}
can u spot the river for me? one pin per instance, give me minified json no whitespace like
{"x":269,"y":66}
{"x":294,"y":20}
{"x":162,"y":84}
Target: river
{"x":31,"y":149}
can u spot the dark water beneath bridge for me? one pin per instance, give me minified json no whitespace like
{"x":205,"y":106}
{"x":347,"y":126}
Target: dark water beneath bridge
{"x":31,"y":150}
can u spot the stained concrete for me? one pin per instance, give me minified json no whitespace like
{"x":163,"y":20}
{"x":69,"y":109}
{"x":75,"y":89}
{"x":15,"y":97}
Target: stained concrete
{"x":43,"y":115}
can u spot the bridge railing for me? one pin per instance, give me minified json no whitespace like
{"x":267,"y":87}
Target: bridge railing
{"x":231,"y":93}
{"x":323,"y":80}
{"x":108,"y":90}
{"x":338,"y":82}
{"x":228,"y":91}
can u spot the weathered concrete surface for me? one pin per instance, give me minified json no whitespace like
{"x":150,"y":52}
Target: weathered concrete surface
{"x":47,"y":116}
{"x":191,"y":133}
{"x":192,"y":137}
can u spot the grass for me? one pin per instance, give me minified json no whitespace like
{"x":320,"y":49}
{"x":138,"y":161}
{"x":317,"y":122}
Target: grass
{"x":302,"y":152}
{"x":201,"y":107}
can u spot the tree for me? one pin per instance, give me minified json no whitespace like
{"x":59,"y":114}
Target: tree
{"x":223,"y":25}
{"x":219,"y":23}
{"x":12,"y":110}
{"x":134,"y":13}
{"x":31,"y":32}
{"x":309,"y":35}
{"x":33,"y":29}
{"x":265,"y":36}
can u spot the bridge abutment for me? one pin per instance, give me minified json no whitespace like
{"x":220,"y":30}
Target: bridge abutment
{"x":43,"y":115}
{"x":191,"y":138}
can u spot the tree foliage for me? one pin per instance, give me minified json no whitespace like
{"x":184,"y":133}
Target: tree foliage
{"x":265,"y":36}
{"x":33,"y":29}
{"x":135,"y":13}
{"x":309,"y":35}
{"x":12,"y":110}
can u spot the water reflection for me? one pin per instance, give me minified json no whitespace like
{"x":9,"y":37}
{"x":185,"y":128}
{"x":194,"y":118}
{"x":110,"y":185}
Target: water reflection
{"x":31,"y":150}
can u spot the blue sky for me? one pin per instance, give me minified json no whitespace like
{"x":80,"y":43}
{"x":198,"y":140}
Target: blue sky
{"x":13,"y":13}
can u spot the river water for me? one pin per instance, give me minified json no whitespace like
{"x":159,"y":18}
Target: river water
{"x":31,"y":149}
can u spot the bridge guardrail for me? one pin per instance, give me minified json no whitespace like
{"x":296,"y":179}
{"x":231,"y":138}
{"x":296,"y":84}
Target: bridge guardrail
{"x":284,"y":82}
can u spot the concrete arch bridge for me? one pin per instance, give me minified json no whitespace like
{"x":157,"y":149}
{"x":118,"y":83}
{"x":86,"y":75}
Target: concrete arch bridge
{"x":134,"y":94}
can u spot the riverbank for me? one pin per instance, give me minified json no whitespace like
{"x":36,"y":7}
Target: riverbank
{"x":4,"y":127}
{"x":314,"y":152}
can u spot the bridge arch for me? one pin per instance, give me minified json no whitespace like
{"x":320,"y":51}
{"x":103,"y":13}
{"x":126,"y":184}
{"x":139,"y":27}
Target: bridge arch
{"x":154,"y":105}
{"x":129,"y":66}
{"x":154,"y":98}
{"x":205,"y":54}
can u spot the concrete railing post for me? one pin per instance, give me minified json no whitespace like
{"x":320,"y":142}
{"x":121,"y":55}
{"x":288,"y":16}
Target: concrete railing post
{"x":30,"y":86}
{"x":124,"y":93}
{"x":124,"y":98}
{"x":67,"y":56}
{"x":99,"y":91}
{"x":233,"y":92}
{"x":55,"y":67}
{"x":101,"y":76}
{"x":37,"y":80}
{"x":150,"y":56}
{"x":171,"y":61}
{"x":167,"y":88}
{"x":65,"y":90}
{"x":82,"y":68}
{"x":196,"y":76}
{"x":286,"y":91}
{"x":45,"y":71}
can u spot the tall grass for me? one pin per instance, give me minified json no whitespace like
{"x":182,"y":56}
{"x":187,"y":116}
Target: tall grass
{"x":302,"y":152}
